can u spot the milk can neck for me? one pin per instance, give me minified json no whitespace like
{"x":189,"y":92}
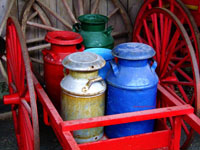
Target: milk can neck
{"x":133,"y":63}
{"x":93,"y":27}
{"x":63,"y":48}
{"x":83,"y":74}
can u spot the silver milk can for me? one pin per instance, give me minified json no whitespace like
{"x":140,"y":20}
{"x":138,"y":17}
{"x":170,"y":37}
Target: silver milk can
{"x":83,"y":92}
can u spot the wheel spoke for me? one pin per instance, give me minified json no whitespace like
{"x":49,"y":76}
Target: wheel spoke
{"x":35,"y":40}
{"x":178,"y":83}
{"x":170,"y":51}
{"x":164,"y":42}
{"x":178,"y":65}
{"x":38,"y":25}
{"x":71,"y":15}
{"x":26,"y":105}
{"x":181,"y":72}
{"x":141,"y":39}
{"x":65,"y":23}
{"x":187,"y":132}
{"x":157,"y":37}
{"x":113,"y":12}
{"x":184,"y":95}
{"x":38,"y":47}
{"x":41,"y":14}
{"x":33,"y":15}
{"x":148,"y":32}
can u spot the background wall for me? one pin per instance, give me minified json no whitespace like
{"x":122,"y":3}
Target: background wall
{"x":105,"y":8}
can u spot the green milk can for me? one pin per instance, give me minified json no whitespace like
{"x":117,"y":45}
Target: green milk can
{"x":92,"y":28}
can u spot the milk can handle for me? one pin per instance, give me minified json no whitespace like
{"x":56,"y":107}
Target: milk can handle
{"x":81,"y":48}
{"x":154,"y":65}
{"x":108,"y":30}
{"x":90,"y":82}
{"x":76,"y":27}
{"x":46,"y":52}
{"x":114,"y":67}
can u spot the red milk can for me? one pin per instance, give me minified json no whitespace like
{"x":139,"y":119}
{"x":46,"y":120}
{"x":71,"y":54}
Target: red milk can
{"x":63,"y":43}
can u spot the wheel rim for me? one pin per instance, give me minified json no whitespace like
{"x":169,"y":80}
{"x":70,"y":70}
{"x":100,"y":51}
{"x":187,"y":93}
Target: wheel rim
{"x":181,"y":12}
{"x":174,"y":54}
{"x":20,"y":81}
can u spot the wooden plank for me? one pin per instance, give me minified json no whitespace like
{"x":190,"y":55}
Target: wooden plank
{"x":133,"y":8}
{"x":61,"y":10}
{"x":146,"y":141}
{"x":87,"y":6}
{"x":127,"y":117}
{"x":117,"y":22}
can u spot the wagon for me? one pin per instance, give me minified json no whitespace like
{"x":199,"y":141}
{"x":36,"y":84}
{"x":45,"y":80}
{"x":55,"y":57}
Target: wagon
{"x":178,"y":60}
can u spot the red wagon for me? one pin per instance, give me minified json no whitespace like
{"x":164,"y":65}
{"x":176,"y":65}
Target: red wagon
{"x":178,"y":70}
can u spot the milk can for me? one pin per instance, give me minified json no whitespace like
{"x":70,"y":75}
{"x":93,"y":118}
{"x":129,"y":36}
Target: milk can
{"x":63,"y":43}
{"x":132,"y":86}
{"x":83,"y":92}
{"x":107,"y":56}
{"x":92,"y":28}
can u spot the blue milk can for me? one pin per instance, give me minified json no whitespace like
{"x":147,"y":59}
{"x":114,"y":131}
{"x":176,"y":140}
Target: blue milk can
{"x":107,"y":56}
{"x":132,"y":86}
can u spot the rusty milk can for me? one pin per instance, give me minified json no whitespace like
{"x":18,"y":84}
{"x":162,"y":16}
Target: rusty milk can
{"x":63,"y":43}
{"x":83,"y":92}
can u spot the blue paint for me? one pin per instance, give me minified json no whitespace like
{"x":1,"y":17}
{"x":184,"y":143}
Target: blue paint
{"x":107,"y":55}
{"x":132,"y":86}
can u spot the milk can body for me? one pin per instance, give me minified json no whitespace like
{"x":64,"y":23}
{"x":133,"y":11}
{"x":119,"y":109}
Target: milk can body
{"x":92,"y":29}
{"x":132,"y":86}
{"x":63,"y":43}
{"x":83,"y":93}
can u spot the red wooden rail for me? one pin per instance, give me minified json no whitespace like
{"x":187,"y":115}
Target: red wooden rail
{"x":126,"y":117}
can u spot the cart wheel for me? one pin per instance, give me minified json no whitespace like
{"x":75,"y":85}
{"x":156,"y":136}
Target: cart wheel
{"x":177,"y":65}
{"x":22,"y":95}
{"x":34,"y":9}
{"x":181,"y":12}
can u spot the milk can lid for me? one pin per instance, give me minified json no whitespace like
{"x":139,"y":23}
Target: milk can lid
{"x":83,"y":61}
{"x":93,"y":19}
{"x":63,"y":37}
{"x":133,"y":51}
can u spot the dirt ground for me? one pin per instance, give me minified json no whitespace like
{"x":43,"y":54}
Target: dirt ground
{"x":48,"y":140}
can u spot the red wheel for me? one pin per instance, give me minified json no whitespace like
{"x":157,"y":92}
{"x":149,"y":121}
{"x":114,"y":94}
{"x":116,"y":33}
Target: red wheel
{"x":177,"y":65}
{"x":181,"y":12}
{"x":22,"y":94}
